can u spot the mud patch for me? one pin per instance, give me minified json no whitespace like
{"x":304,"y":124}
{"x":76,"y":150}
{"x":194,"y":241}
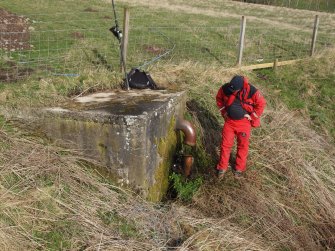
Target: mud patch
{"x":14,"y":31}
{"x":153,"y":49}
{"x":89,"y":9}
{"x":12,"y":73}
{"x":77,"y":35}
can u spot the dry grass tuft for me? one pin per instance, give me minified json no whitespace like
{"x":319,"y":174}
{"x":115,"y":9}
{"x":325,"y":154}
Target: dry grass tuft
{"x":51,"y":198}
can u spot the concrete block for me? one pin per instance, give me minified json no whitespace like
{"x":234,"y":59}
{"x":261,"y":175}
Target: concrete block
{"x":131,"y":133}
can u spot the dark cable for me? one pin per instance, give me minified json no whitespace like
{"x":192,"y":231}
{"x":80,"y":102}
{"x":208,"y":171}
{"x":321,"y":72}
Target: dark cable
{"x":118,"y":34}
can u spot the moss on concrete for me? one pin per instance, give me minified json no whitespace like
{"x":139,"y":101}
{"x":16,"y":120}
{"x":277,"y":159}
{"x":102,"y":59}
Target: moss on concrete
{"x":166,"y":150}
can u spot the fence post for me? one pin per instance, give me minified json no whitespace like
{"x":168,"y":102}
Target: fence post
{"x":315,"y":32}
{"x":124,"y":42}
{"x":241,"y":43}
{"x":275,"y":64}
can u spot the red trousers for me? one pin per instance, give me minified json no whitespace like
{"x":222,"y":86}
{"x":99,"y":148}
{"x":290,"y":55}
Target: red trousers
{"x":240,"y":129}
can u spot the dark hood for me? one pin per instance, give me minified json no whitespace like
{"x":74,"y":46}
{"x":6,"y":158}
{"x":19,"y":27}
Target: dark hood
{"x":236,"y":83}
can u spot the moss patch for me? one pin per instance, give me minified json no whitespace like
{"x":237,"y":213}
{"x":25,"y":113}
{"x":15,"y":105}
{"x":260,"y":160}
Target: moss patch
{"x":166,"y":149}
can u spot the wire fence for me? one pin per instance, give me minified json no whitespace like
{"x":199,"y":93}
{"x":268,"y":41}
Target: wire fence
{"x":67,"y":44}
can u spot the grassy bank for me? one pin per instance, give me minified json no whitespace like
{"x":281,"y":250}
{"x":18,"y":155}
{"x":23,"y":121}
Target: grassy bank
{"x":54,"y":199}
{"x":307,"y":87}
{"x":289,"y":185}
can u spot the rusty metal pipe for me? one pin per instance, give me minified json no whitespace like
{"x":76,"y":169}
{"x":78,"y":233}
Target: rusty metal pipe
{"x":187,"y":164}
{"x":188,"y":129}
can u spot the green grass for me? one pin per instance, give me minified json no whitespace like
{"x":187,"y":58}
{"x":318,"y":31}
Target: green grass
{"x":309,"y":88}
{"x":5,"y":125}
{"x":58,"y":236}
{"x":11,"y":181}
{"x":53,"y":36}
{"x":126,"y":228}
{"x":208,"y":39}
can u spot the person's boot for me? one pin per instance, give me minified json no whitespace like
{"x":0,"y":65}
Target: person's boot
{"x":238,"y":174}
{"x":221,"y":174}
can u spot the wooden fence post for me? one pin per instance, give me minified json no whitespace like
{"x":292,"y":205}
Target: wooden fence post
{"x":124,"y":41}
{"x":275,"y":64}
{"x":241,"y":43}
{"x":315,"y":32}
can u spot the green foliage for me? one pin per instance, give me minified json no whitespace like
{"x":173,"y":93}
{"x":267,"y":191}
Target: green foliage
{"x":185,"y":188}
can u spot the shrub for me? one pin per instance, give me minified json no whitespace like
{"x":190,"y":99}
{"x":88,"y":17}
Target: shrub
{"x":184,"y":188}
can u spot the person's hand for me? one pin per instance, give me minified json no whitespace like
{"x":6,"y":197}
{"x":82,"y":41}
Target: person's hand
{"x":225,"y":116}
{"x":254,"y":115}
{"x":247,"y":116}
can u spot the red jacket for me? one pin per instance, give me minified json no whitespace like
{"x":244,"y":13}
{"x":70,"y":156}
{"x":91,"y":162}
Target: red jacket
{"x":252,"y":101}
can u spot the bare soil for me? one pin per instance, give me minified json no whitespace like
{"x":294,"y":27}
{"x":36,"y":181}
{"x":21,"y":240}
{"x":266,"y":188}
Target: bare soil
{"x":77,"y":35}
{"x":14,"y":31}
{"x":14,"y":36}
{"x":89,"y":9}
{"x":153,"y":49}
{"x":14,"y":73}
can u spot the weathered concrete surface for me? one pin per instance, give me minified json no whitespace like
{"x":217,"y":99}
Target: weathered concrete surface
{"x":131,"y":133}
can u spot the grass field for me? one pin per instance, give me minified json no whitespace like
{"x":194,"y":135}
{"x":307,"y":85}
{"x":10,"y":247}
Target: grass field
{"x":53,"y":199}
{"x":68,"y":37}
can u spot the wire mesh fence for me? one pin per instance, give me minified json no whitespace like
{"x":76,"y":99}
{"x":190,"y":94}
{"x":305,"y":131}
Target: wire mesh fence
{"x":60,"y":44}
{"x":267,"y":45}
{"x":69,"y":43}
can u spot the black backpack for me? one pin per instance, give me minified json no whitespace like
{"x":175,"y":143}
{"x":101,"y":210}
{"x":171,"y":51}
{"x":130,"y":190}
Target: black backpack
{"x":138,"y":79}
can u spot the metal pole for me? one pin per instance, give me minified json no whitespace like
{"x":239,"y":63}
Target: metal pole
{"x":315,"y":33}
{"x":124,"y":45}
{"x":275,"y":64}
{"x":241,"y":43}
{"x":124,"y":41}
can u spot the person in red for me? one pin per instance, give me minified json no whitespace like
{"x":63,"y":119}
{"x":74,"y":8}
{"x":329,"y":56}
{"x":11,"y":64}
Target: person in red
{"x":241,"y":106}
